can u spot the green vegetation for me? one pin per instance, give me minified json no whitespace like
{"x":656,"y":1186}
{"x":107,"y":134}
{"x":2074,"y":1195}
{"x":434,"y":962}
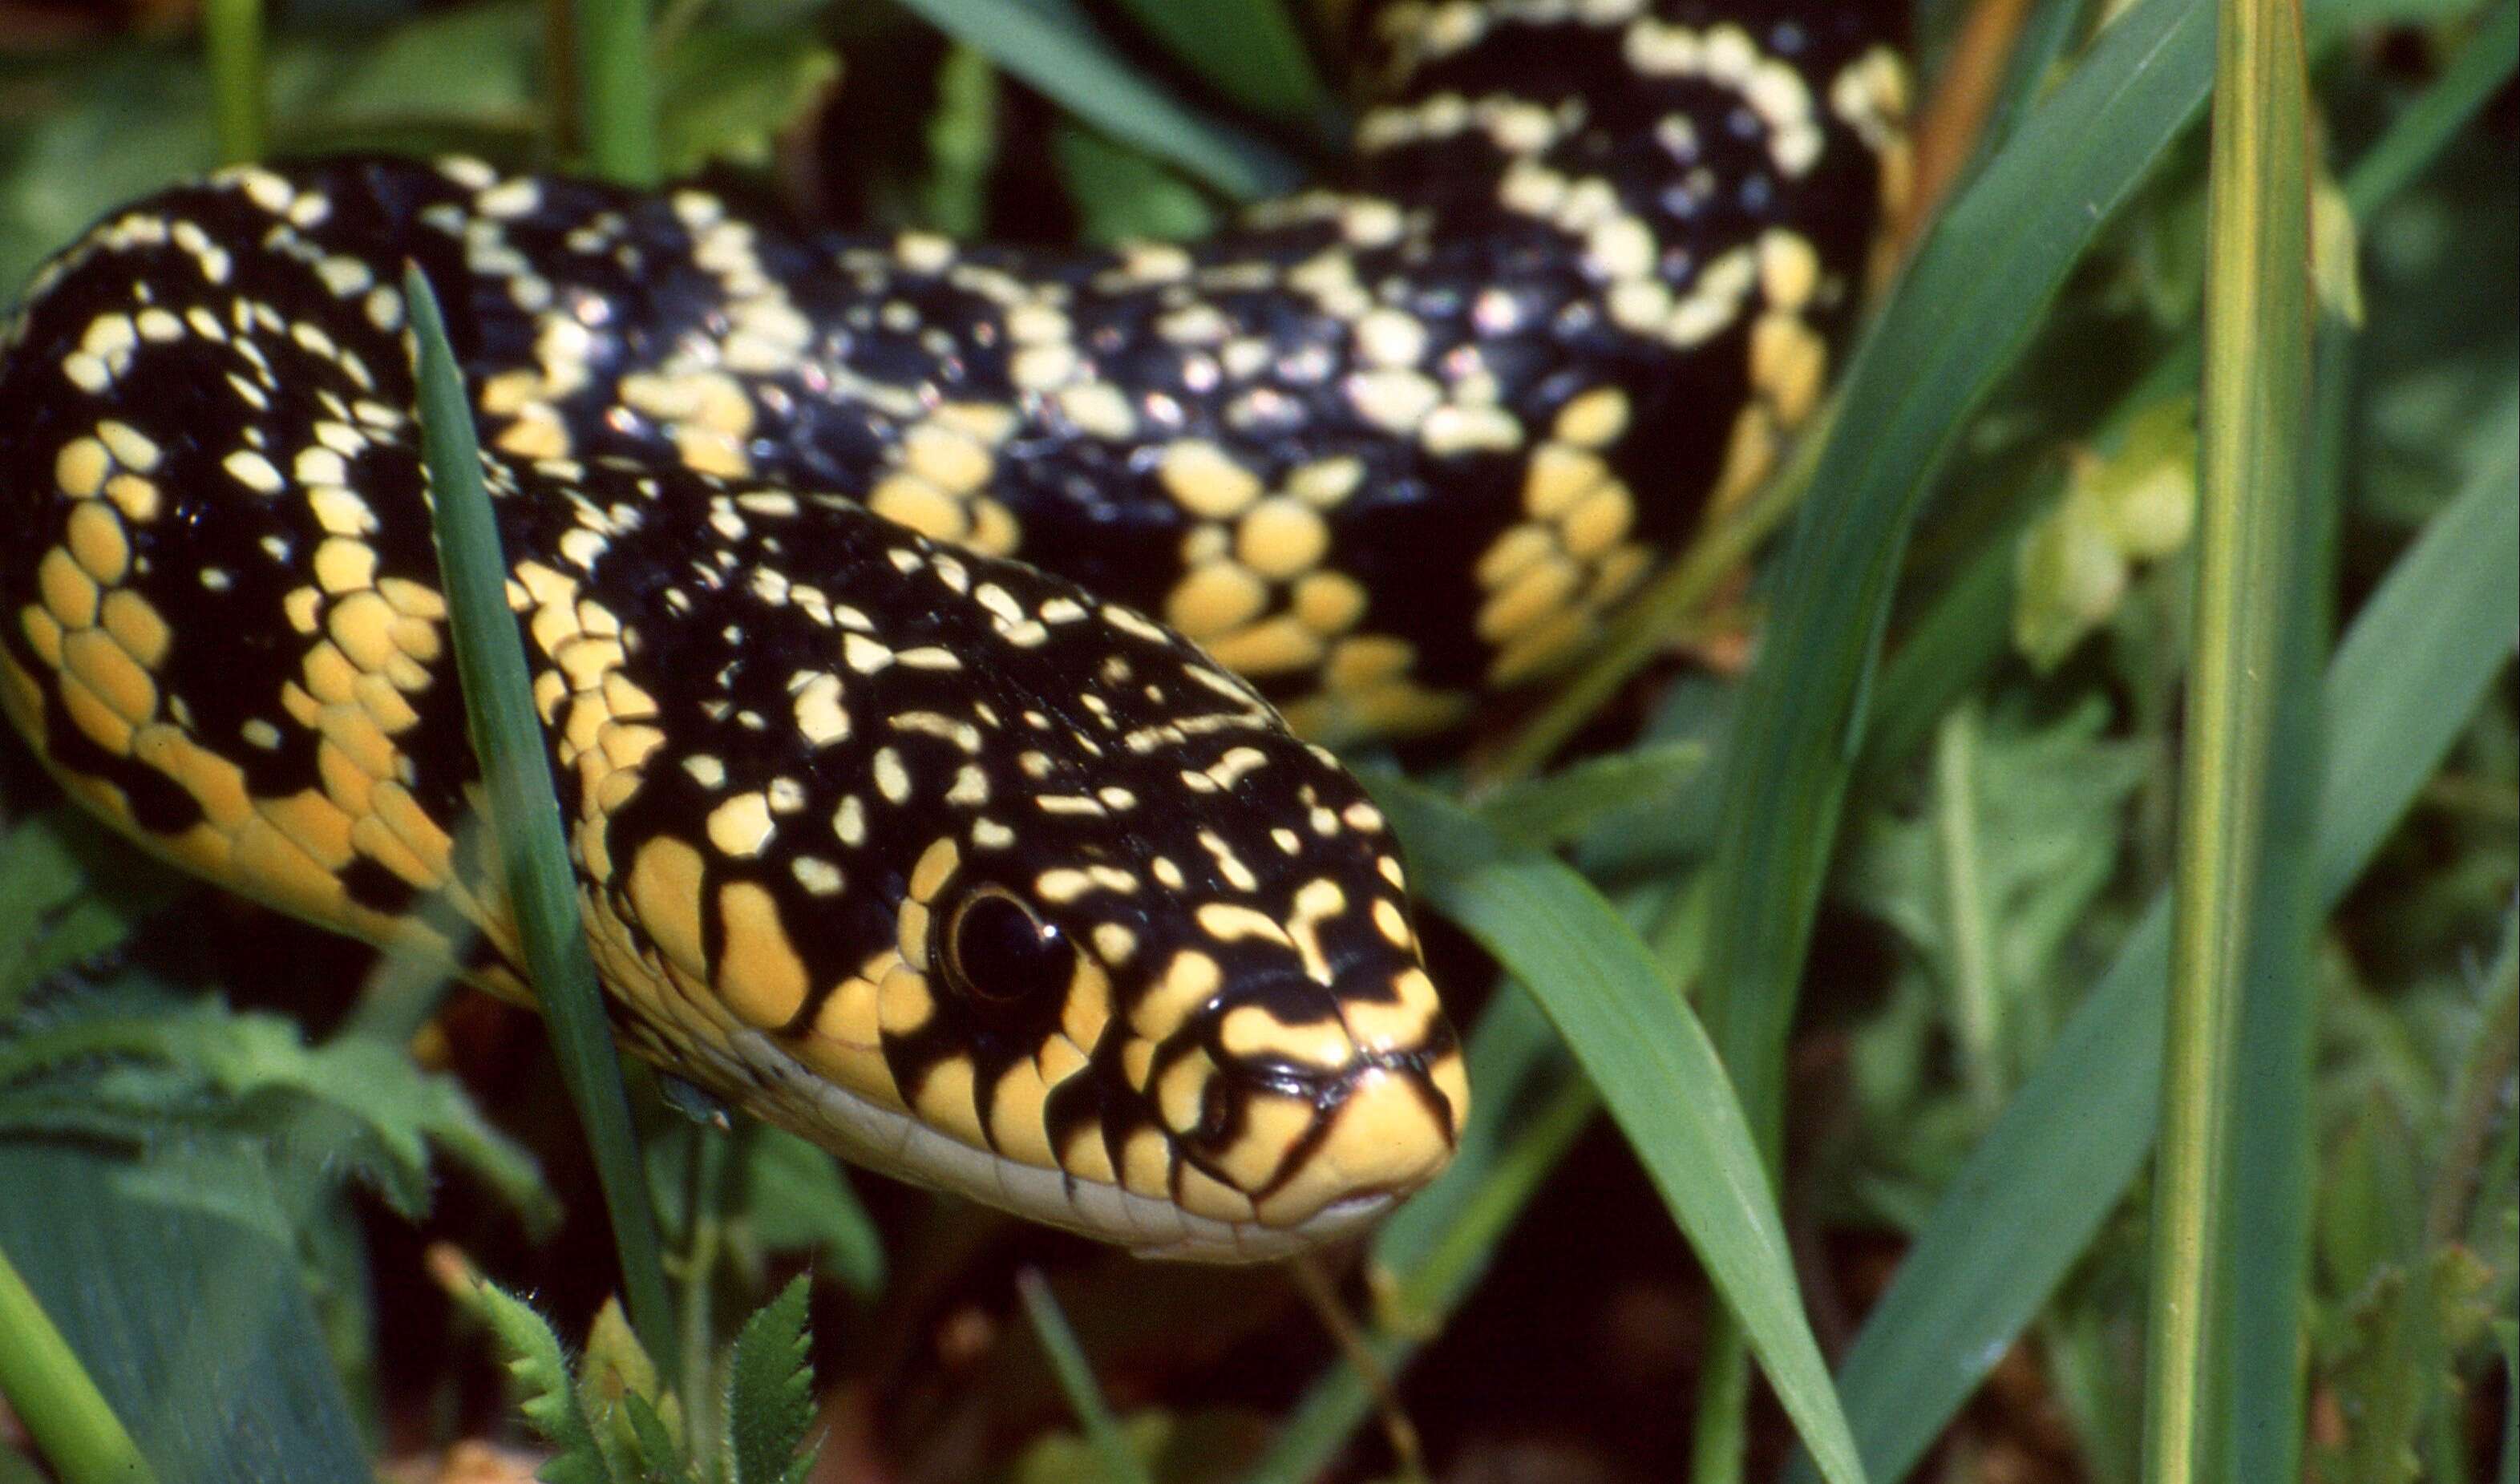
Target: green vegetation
{"x":2098,"y":886}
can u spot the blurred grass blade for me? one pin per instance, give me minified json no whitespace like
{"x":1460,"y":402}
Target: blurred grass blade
{"x":1048,"y":44}
{"x":2439,"y":111}
{"x":232,"y":33}
{"x":2252,"y":419}
{"x":1560,"y":808}
{"x":1969,"y":304}
{"x":531,"y":852}
{"x":1655,"y":1071}
{"x":2262,"y":1261}
{"x":53,"y":1396}
{"x":617,"y":93}
{"x":1120,"y":1461}
{"x":1250,"y":49}
{"x":2402,"y":687}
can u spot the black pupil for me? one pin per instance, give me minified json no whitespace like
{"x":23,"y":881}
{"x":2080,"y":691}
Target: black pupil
{"x":1005,"y":953}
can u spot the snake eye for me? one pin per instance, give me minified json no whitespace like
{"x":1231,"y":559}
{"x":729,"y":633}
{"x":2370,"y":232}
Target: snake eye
{"x":1000,"y":952}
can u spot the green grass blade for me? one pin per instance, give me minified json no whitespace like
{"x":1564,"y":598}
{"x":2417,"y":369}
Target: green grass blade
{"x":2400,"y":688}
{"x":232,"y":33}
{"x":2252,"y":422}
{"x":53,"y":1395}
{"x":524,"y":819}
{"x":1562,"y":807}
{"x":1046,"y":44}
{"x":1655,"y":1068}
{"x":1250,"y":49}
{"x":2263,"y":1257}
{"x":616,"y":92}
{"x":1120,"y":1461}
{"x":1967,"y":306}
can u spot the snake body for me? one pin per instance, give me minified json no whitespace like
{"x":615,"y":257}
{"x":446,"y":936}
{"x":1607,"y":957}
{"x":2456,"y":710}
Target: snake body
{"x":927,"y":634}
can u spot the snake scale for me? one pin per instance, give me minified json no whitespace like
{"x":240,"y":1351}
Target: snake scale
{"x":936,"y":643}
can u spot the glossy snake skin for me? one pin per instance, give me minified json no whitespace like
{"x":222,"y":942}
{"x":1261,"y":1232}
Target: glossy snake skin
{"x":924,"y":632}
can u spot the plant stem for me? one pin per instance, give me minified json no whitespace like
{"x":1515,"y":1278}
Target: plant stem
{"x":616,"y":103}
{"x":53,"y":1395}
{"x":231,"y":35}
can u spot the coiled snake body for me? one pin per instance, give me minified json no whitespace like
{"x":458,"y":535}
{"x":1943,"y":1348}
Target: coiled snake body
{"x":896,"y":822}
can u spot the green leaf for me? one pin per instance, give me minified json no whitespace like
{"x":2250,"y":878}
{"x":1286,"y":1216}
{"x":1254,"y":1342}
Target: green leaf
{"x":538,"y":1373}
{"x":1123,"y":193}
{"x":1048,"y":44}
{"x":1249,"y":48}
{"x":2399,"y":690}
{"x":163,"y":1303}
{"x":54,"y":911}
{"x":795,"y":1194}
{"x":1652,"y":1063}
{"x":770,"y":1390}
{"x":728,"y":91}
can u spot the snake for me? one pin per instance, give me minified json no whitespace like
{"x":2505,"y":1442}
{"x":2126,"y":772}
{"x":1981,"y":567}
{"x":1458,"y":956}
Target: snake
{"x":938,"y":645}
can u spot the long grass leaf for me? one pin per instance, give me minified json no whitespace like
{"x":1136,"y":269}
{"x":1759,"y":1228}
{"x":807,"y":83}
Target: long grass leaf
{"x":1655,"y":1068}
{"x":232,"y":36}
{"x":1249,"y":48}
{"x":2264,"y":1240}
{"x":2024,"y":1205}
{"x":2252,"y":423}
{"x":524,"y":820}
{"x":1049,"y":46}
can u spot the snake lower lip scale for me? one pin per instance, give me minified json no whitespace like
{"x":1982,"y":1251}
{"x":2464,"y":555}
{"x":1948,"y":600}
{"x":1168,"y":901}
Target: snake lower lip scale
{"x":896,"y":822}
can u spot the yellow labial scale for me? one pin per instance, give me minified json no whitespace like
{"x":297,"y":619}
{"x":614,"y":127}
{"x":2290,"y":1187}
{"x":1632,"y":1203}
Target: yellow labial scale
{"x":135,"y":624}
{"x":1138,"y":1061}
{"x":1186,"y":983}
{"x":1215,"y":599}
{"x":945,"y":1103}
{"x":1088,"y":1006}
{"x":328,"y":673}
{"x":759,"y":974}
{"x":910,"y":932}
{"x":1204,"y":1195}
{"x":1281,"y":537}
{"x":1383,"y":1136}
{"x":1537,"y":593}
{"x":847,"y":1016}
{"x":856,"y":1066}
{"x":1272,"y":1123}
{"x":68,"y":591}
{"x":664,"y":889}
{"x":1086,"y":1156}
{"x":1146,"y":1163}
{"x":1018,"y":1123}
{"x":92,"y":655}
{"x":1271,"y":648}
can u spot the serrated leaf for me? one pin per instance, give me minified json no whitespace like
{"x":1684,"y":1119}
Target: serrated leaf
{"x":539,"y":1372}
{"x":659,"y":1448}
{"x":614,"y":1373}
{"x":770,"y":1390}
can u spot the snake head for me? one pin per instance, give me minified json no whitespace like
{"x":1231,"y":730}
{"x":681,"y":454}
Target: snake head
{"x":1012,"y":891}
